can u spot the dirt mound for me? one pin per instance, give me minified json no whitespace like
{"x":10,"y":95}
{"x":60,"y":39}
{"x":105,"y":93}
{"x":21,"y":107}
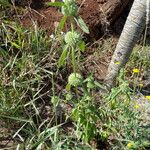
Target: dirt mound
{"x":98,"y":14}
{"x":44,"y":18}
{"x":101,"y":15}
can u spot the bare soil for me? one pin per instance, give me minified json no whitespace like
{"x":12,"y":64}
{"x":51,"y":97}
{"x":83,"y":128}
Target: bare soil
{"x":99,"y":15}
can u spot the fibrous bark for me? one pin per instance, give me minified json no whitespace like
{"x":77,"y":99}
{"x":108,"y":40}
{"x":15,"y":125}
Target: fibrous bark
{"x":132,"y":30}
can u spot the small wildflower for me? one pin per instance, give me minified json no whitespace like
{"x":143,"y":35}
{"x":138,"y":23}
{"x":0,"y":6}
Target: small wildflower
{"x":147,"y":97}
{"x":137,"y":106}
{"x":130,"y":145}
{"x":135,"y":70}
{"x":141,"y":85}
{"x":117,"y":63}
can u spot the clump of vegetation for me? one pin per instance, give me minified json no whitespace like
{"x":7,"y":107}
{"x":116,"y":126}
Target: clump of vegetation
{"x":47,"y":108}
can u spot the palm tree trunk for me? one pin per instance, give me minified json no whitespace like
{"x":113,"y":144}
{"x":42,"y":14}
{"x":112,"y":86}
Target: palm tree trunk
{"x":132,"y":30}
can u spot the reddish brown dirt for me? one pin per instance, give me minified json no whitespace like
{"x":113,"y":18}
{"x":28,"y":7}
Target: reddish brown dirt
{"x":47,"y":17}
{"x":90,"y":10}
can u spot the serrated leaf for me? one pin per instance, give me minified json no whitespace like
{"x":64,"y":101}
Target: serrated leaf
{"x":82,"y":24}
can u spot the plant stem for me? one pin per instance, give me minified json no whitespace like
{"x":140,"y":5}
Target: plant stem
{"x":73,"y":59}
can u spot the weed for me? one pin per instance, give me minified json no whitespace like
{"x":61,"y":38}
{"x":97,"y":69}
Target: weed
{"x":69,"y":9}
{"x":73,"y":42}
{"x":33,"y":93}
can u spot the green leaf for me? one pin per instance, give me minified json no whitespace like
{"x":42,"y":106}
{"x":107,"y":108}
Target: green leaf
{"x":55,"y":100}
{"x":68,"y":87}
{"x":61,"y":24}
{"x":82,"y":46}
{"x":57,"y":4}
{"x":75,"y":114}
{"x":81,"y":24}
{"x":90,"y":85}
{"x":62,"y":58}
{"x":89,"y":79}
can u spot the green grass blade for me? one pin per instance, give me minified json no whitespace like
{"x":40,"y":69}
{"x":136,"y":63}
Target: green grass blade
{"x":62,"y":58}
{"x":57,"y":4}
{"x":17,"y":119}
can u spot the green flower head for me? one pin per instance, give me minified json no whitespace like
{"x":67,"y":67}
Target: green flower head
{"x":70,"y":8}
{"x":75,"y":79}
{"x":72,"y":38}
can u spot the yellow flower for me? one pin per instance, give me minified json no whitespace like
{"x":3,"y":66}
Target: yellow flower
{"x":135,"y":70}
{"x":141,"y":85}
{"x":130,"y":145}
{"x":147,"y":97}
{"x":137,"y":106}
{"x":117,"y":63}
